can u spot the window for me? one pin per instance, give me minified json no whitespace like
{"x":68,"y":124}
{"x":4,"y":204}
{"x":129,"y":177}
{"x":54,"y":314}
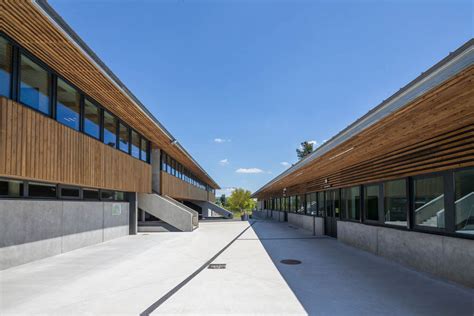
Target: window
{"x":429,"y":201}
{"x":119,"y":196}
{"x":464,"y":201}
{"x":311,"y":204}
{"x":70,"y":193}
{"x":89,"y":194}
{"x":106,"y":195}
{"x":321,"y":203}
{"x":11,"y":188}
{"x":34,"y":85}
{"x":91,"y":119}
{"x":5,"y":67}
{"x":292,"y":205}
{"x":395,"y":202}
{"x":372,"y":198}
{"x":110,"y":130}
{"x":41,"y":190}
{"x":68,"y":105}
{"x":300,"y":204}
{"x":351,"y":203}
{"x":123,"y":138}
{"x":135,"y":145}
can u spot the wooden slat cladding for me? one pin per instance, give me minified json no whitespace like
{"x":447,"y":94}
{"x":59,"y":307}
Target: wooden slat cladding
{"x":23,"y":22}
{"x":433,"y":133}
{"x":179,"y":189}
{"x":35,"y":147}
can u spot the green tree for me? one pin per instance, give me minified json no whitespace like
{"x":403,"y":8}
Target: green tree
{"x":304,"y":150}
{"x":240,"y":201}
{"x":223,"y":200}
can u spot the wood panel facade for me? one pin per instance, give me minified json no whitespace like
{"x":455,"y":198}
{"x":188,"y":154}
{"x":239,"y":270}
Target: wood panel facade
{"x":433,"y":133}
{"x":36,"y":147}
{"x":45,"y":35}
{"x":179,"y":189}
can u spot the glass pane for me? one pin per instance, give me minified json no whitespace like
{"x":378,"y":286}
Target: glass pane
{"x":110,"y":129}
{"x":464,"y":201}
{"x":107,"y":195}
{"x":119,"y":196}
{"x":10,"y":188}
{"x":429,"y":201}
{"x":321,"y":204}
{"x":69,"y":193}
{"x":135,"y":144}
{"x":5,"y":67}
{"x":90,"y":194}
{"x":34,"y":85}
{"x":396,"y":202}
{"x":123,"y":137}
{"x":41,"y":190}
{"x":351,"y":202}
{"x":372,"y":202}
{"x":68,"y":105}
{"x":91,"y":119}
{"x":329,"y":203}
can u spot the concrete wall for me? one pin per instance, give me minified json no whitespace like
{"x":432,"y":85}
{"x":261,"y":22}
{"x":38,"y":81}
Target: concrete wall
{"x":31,"y":230}
{"x":447,"y":257}
{"x":310,"y":223}
{"x":210,"y":209}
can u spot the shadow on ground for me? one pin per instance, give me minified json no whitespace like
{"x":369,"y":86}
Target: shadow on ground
{"x":336,"y":279}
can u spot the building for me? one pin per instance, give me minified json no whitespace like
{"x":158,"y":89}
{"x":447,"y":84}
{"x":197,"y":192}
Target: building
{"x":399,"y":181}
{"x":81,"y":159}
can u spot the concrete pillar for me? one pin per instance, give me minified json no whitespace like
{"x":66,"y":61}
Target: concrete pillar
{"x":133,"y":213}
{"x":155,"y":169}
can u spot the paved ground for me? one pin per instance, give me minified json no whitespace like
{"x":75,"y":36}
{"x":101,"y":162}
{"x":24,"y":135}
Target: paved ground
{"x":141,"y":273}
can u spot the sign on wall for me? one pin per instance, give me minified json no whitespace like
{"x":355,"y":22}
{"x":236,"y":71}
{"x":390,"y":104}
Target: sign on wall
{"x":116,"y":209}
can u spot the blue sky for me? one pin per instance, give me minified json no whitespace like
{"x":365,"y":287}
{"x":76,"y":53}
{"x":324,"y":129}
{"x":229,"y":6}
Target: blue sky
{"x":241,"y":83}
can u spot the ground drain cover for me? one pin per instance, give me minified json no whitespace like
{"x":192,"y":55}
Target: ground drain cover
{"x":216,"y":266}
{"x":290,"y":261}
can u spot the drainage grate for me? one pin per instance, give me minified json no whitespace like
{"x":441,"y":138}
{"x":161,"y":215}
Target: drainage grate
{"x":290,"y":261}
{"x":216,"y":266}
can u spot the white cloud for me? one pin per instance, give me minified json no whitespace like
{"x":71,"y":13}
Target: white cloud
{"x":221,"y":140}
{"x":226,"y":191}
{"x":315,"y":143}
{"x":325,"y":141}
{"x":224,"y":162}
{"x":249,"y":170}
{"x":285,"y":163}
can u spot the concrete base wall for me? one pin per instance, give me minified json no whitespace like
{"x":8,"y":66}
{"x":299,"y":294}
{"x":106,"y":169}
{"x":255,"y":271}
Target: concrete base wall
{"x":31,"y":230}
{"x":448,"y":257}
{"x":307,"y":222}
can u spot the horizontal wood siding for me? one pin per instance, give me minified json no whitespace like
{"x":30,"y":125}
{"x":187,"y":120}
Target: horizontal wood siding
{"x":35,"y":147}
{"x":179,"y":189}
{"x":433,"y":133}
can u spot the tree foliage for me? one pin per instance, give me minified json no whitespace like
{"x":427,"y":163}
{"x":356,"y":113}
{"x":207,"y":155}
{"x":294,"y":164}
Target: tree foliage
{"x":304,"y":150}
{"x":240,"y":201}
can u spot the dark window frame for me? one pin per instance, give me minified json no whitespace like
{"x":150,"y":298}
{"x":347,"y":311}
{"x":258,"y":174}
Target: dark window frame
{"x":60,"y":187}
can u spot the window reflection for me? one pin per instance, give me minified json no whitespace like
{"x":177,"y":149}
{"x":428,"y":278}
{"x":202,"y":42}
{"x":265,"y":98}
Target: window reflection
{"x":91,"y":119}
{"x":396,"y":202}
{"x":110,"y":130}
{"x":429,"y":201}
{"x":68,"y":105}
{"x":372,"y":202}
{"x":5,"y":67}
{"x":464,"y":201}
{"x":34,"y":85}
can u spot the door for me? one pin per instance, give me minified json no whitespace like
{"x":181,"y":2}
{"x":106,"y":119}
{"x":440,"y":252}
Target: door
{"x":332,"y":213}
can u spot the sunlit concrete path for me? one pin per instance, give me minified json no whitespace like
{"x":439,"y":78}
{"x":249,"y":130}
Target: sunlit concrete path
{"x":141,"y":273}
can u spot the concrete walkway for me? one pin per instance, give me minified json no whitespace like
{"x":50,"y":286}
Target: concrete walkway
{"x":146,"y":272}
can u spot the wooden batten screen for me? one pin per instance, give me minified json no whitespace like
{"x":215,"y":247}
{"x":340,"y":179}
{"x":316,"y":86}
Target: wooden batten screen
{"x":35,"y":147}
{"x":433,"y":133}
{"x":177,"y":188}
